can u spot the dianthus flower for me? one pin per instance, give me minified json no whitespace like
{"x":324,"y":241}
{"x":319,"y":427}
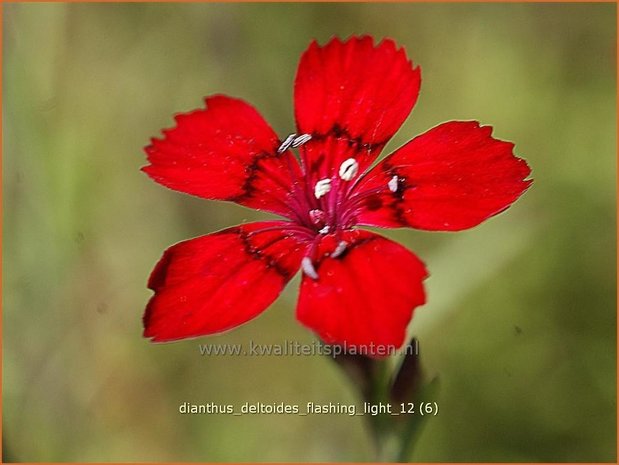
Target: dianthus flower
{"x":357,"y":288}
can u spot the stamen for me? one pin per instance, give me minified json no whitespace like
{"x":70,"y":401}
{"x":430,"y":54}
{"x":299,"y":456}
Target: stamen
{"x":317,"y":216}
{"x":393,"y":184}
{"x":287,"y":143}
{"x":322,"y":187}
{"x":308,"y":268}
{"x":300,"y":140}
{"x":349,"y":169}
{"x":340,"y":249}
{"x":324,"y":230}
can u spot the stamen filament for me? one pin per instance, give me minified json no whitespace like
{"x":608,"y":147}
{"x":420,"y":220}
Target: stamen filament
{"x":288,"y":226}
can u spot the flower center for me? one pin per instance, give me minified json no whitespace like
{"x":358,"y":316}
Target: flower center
{"x":330,"y":194}
{"x":326,"y":204}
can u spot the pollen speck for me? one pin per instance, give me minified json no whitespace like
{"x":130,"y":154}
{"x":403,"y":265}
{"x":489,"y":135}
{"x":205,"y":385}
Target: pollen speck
{"x":322,"y":187}
{"x":317,"y":216}
{"x":308,"y":268}
{"x":287,"y":143}
{"x":349,"y":169}
{"x":300,"y":140}
{"x":393,"y":184}
{"x":340,"y":249}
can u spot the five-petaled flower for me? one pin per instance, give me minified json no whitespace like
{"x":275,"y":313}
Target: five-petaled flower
{"x":357,"y":288}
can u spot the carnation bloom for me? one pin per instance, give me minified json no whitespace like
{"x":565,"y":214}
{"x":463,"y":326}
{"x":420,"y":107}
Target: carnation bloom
{"x":357,"y":288}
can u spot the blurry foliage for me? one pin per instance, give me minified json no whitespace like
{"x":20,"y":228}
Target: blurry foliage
{"x":520,"y":323}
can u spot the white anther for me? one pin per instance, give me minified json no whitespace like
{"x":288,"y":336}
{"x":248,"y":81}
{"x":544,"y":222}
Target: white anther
{"x":324,"y":230}
{"x":300,"y":140}
{"x":308,"y":268}
{"x":287,"y":143}
{"x":340,"y":249}
{"x":349,"y":169}
{"x":393,"y":184}
{"x":322,"y":187}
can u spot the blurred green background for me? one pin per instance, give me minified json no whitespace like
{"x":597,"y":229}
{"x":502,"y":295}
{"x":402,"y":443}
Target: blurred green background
{"x":520,"y":324}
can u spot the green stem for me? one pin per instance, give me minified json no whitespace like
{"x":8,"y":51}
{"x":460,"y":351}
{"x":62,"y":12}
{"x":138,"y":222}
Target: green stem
{"x":393,"y":436}
{"x":381,"y":425}
{"x":407,"y":439}
{"x":412,"y":428}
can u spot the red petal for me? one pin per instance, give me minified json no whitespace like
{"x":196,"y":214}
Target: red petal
{"x":352,"y":97}
{"x":452,"y":177}
{"x":224,"y":152}
{"x":365,"y":297}
{"x":213,"y":283}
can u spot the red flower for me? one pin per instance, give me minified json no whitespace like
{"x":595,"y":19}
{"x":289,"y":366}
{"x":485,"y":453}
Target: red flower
{"x":358,"y":288}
